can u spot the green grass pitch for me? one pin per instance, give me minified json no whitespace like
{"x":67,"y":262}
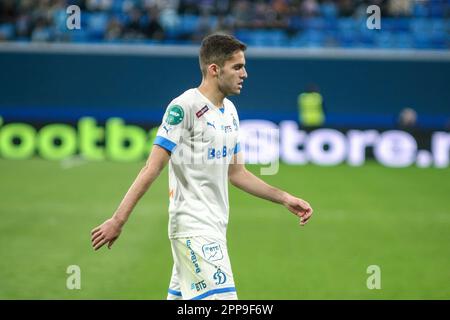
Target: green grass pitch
{"x":398,"y":219}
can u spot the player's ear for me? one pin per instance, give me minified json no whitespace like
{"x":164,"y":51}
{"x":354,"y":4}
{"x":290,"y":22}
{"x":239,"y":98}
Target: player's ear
{"x":213,"y":69}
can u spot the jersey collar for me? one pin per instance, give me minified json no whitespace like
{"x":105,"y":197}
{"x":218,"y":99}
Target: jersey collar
{"x":221,"y":110}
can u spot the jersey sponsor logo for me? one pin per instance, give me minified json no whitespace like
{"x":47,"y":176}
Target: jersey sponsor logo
{"x":193,"y":257}
{"x":175,"y":115}
{"x":167,"y":129}
{"x":212,"y":251}
{"x":227,"y":129}
{"x":219,"y":277}
{"x":219,"y":153}
{"x":211,"y":124}
{"x":199,"y":286}
{"x":202,"y":111}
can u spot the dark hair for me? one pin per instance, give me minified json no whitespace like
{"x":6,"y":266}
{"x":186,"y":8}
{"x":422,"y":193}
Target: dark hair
{"x":218,"y":48}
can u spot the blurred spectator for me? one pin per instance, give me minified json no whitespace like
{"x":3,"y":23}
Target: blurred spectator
{"x":407,"y":118}
{"x":222,"y":7}
{"x":24,"y":23}
{"x":134,"y":28}
{"x":242,"y":13}
{"x":8,"y":11}
{"x":41,"y":31}
{"x":204,"y":26}
{"x":188,"y":7}
{"x":281,"y":7}
{"x":261,"y":15}
{"x":310,"y":107}
{"x":400,"y":8}
{"x":99,"y":5}
{"x":154,"y":30}
{"x":329,"y":9}
{"x":114,"y":30}
{"x":346,"y":8}
{"x":224,"y":25}
{"x":169,"y":18}
{"x":310,"y":8}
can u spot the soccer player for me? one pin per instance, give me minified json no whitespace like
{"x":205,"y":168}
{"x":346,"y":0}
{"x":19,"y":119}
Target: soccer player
{"x":199,"y":138}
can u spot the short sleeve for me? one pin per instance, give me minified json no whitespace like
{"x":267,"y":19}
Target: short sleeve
{"x":237,"y":146}
{"x":174,"y":125}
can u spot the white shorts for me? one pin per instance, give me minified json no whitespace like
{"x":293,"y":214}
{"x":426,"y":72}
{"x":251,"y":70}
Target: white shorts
{"x":201,"y":270}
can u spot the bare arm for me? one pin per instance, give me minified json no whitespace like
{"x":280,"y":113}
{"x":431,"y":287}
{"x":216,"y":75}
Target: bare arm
{"x":241,"y":178}
{"x":110,"y":230}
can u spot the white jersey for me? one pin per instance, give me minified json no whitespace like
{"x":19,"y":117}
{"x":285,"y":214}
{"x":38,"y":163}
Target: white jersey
{"x":202,"y":140}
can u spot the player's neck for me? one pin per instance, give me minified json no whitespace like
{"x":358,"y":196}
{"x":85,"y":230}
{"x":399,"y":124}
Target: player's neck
{"x":212,"y":94}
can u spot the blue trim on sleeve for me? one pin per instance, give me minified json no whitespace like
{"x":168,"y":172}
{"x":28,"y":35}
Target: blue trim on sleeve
{"x":237,"y":148}
{"x":165,"y":143}
{"x":214,"y":291}
{"x":222,"y":109}
{"x":175,"y":293}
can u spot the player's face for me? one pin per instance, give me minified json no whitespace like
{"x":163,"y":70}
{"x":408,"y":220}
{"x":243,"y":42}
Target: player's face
{"x":232,"y":74}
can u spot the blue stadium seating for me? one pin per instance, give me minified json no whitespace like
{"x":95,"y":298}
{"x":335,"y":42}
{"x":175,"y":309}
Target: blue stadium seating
{"x":427,"y":28}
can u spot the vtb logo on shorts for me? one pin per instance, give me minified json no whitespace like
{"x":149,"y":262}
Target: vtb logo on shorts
{"x":212,"y":251}
{"x":199,"y":286}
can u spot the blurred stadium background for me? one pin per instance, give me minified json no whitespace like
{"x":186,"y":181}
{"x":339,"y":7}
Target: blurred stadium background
{"x":286,"y":23}
{"x":360,"y":118}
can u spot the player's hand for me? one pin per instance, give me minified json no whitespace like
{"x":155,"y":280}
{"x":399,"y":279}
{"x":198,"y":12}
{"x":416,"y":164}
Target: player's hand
{"x":107,"y":232}
{"x":299,"y":207}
